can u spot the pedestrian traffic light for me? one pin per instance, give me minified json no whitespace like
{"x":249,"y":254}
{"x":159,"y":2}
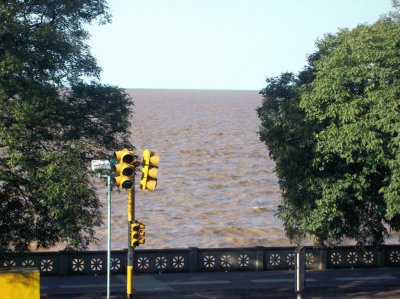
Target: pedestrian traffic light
{"x":127,"y":162}
{"x":137,"y":233}
{"x":149,"y":170}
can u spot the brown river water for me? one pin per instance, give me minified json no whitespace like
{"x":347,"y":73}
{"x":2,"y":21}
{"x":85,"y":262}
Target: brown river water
{"x":216,"y":184}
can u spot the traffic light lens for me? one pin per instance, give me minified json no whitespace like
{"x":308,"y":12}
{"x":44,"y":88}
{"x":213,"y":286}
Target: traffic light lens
{"x":155,"y":159}
{"x":127,"y":184}
{"x":153,"y":172}
{"x":151,"y":185}
{"x":128,"y":158}
{"x":127,"y":171}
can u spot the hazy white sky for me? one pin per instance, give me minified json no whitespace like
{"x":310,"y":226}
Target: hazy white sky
{"x":217,"y":44}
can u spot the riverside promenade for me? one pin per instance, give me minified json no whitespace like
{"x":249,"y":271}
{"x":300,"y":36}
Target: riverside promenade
{"x":330,"y":283}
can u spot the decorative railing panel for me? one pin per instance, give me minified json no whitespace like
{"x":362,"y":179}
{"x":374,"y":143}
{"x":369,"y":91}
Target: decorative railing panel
{"x":203,"y":259}
{"x":393,"y":256}
{"x":230,"y":259}
{"x":174,"y":260}
{"x":279,"y":258}
{"x":349,"y":257}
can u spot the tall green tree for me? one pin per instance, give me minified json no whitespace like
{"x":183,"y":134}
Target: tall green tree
{"x":55,"y":116}
{"x":333,"y":131}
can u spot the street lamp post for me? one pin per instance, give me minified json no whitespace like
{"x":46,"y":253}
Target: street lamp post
{"x":101,"y":167}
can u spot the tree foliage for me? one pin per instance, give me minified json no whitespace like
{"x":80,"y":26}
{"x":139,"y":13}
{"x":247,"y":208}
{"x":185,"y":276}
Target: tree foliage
{"x":55,"y":117}
{"x":333,"y":131}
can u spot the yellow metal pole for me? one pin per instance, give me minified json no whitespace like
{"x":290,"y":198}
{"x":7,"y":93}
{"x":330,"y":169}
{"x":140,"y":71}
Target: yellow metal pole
{"x":130,"y":205}
{"x":131,"y":219}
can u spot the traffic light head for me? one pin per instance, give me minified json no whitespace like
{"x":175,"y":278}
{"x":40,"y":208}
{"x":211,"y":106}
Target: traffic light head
{"x":125,"y":168}
{"x":137,"y":233}
{"x":149,"y":170}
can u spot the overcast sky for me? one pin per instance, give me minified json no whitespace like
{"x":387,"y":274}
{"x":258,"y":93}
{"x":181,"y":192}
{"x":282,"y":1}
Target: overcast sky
{"x":217,"y":44}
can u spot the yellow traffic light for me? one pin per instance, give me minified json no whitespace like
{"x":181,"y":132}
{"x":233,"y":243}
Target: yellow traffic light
{"x":126,"y":168}
{"x":149,"y":170}
{"x":137,"y":233}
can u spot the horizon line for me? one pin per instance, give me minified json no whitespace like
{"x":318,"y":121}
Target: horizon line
{"x":190,"y":89}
